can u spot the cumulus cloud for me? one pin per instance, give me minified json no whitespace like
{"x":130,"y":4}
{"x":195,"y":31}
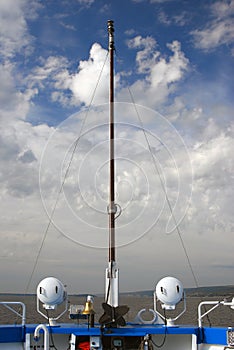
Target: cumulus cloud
{"x":15,"y":36}
{"x":81,"y":212}
{"x":83,"y":82}
{"x":146,"y":55}
{"x":21,"y":146}
{"x":212,"y":186}
{"x":15,"y":102}
{"x":160,"y":73}
{"x":85,"y":191}
{"x":179,"y":20}
{"x":49,"y":70}
{"x":74,"y":88}
{"x":77,"y":88}
{"x":219,"y":29}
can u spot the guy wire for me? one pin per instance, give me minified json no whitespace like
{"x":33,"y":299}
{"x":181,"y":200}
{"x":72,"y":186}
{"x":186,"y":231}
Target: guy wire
{"x":64,"y":178}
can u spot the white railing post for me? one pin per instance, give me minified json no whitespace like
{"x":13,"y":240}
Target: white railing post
{"x":46,"y":335}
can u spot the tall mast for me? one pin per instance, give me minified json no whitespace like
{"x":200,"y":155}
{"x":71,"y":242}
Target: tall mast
{"x":112,"y":279}
{"x":112,"y":207}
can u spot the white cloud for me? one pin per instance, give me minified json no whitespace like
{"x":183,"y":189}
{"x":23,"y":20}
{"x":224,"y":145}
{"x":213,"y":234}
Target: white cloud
{"x":163,"y":18}
{"x":52,"y":74}
{"x":68,"y":26}
{"x":146,"y":56}
{"x":212,"y":185}
{"x":210,"y":207}
{"x":218,"y":33}
{"x":222,"y":9}
{"x":219,"y":30}
{"x":86,"y":191}
{"x":161,"y":74}
{"x":15,"y":103}
{"x":74,"y":88}
{"x":83,"y":82}
{"x":15,"y":94}
{"x":21,"y":142}
{"x":86,"y":3}
{"x":82,"y":205}
{"x":48,"y":71}
{"x":173,"y":70}
{"x":15,"y":36}
{"x":21,"y":146}
{"x":179,"y":20}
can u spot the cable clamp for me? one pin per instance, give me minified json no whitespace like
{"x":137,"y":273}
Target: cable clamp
{"x":112,"y":208}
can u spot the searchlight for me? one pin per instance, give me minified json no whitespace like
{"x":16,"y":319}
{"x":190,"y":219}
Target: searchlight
{"x":51,"y":293}
{"x":169,"y":291}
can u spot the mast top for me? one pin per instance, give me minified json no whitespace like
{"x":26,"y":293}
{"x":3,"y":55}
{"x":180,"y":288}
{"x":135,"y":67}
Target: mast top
{"x":110,"y":25}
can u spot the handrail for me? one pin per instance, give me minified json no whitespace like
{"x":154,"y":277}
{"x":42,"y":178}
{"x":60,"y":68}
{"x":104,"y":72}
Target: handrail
{"x":7,"y":305}
{"x":42,"y":327}
{"x":216,"y":304}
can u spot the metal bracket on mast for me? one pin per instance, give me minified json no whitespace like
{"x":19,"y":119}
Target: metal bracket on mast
{"x":112,"y":209}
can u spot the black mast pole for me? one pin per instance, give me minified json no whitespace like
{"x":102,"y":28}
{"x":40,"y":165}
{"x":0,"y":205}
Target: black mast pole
{"x":112,"y":272}
{"x":112,"y":206}
{"x":113,"y":314}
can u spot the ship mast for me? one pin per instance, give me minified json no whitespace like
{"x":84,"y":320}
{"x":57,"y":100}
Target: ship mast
{"x":112,"y":283}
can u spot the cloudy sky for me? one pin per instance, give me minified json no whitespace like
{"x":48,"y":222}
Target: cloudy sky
{"x":174,"y":80}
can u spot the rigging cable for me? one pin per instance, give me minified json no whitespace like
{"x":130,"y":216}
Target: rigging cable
{"x":65,"y":176}
{"x":166,"y":196}
{"x":164,"y":191}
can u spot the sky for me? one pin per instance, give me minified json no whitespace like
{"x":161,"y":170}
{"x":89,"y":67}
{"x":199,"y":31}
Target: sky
{"x":174,"y":142}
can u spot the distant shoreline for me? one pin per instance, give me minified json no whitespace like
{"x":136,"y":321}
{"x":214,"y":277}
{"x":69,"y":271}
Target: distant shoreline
{"x":190,"y":292}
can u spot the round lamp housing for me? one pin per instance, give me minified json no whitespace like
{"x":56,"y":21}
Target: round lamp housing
{"x":51,"y":292}
{"x":169,"y":291}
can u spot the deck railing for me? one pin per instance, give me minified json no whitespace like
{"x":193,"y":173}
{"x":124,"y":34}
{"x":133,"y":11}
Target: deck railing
{"x":22,"y":315}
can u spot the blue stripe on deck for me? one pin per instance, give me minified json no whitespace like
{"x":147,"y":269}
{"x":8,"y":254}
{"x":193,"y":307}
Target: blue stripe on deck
{"x":214,"y":335}
{"x":12,"y":334}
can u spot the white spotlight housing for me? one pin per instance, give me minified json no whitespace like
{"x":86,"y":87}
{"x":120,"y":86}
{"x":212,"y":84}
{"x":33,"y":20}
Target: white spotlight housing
{"x":169,"y":291}
{"x":51,"y":293}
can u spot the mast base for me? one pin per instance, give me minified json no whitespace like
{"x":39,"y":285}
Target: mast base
{"x":112,"y":284}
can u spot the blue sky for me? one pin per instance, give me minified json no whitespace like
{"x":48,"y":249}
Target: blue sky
{"x":176,"y":58}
